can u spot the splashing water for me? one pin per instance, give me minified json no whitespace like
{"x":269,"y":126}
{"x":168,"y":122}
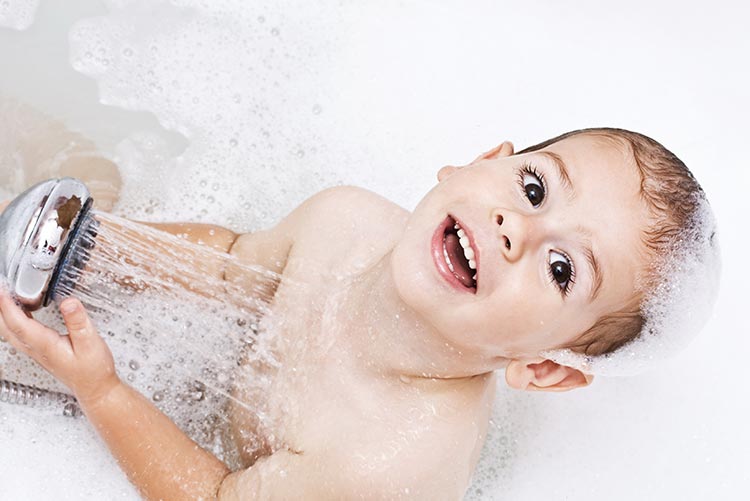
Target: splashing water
{"x":142,"y":287}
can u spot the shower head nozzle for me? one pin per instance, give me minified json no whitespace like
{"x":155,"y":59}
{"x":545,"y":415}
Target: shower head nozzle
{"x":36,"y":233}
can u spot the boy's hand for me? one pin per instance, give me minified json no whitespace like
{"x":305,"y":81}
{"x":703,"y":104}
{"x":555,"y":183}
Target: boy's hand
{"x":81,"y":360}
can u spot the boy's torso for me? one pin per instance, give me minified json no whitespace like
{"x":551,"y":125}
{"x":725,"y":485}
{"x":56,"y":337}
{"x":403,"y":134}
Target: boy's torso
{"x":322,"y":394}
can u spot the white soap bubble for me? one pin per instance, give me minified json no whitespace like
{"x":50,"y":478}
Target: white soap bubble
{"x":18,"y":14}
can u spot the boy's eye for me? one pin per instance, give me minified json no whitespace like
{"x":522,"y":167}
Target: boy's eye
{"x":561,"y":271}
{"x":533,"y":186}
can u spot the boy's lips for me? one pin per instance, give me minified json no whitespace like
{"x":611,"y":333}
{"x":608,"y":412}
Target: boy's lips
{"x":437,"y":246}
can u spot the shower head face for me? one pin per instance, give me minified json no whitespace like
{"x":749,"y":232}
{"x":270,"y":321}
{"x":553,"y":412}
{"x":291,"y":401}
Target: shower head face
{"x":34,"y":231}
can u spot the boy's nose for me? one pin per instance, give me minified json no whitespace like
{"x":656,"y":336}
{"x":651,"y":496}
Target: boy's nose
{"x":512,"y":233}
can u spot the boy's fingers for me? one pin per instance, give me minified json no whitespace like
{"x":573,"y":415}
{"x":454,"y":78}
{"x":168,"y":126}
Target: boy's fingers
{"x":16,"y":322}
{"x":11,"y":339}
{"x":80,"y":328}
{"x":29,"y":333}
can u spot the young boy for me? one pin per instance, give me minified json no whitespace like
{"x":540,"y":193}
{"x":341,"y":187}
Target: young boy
{"x":506,"y":258}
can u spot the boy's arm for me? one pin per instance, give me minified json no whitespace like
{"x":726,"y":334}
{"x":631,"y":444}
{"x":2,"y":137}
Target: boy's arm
{"x":157,"y":457}
{"x":216,"y":237}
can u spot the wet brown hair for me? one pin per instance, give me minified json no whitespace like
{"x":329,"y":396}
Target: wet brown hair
{"x":671,"y":194}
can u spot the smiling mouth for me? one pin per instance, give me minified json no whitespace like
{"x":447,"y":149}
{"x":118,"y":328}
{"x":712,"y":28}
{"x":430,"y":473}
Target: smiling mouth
{"x":455,"y":255}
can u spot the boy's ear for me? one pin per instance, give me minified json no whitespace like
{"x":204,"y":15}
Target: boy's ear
{"x":544,"y":375}
{"x":504,"y":149}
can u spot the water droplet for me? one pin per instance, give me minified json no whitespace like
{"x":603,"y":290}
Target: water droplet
{"x":127,"y":52}
{"x":158,"y":396}
{"x":261,"y":19}
{"x":275,"y":32}
{"x":233,"y":142}
{"x":71,"y":410}
{"x":317,"y":109}
{"x":134,"y":365}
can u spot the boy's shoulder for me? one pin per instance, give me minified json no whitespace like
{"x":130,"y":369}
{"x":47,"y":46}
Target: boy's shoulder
{"x":337,"y":225}
{"x":342,"y":220}
{"x":339,"y":201}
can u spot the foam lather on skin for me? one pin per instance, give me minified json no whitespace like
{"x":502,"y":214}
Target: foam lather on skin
{"x":18,"y":14}
{"x":674,"y":310}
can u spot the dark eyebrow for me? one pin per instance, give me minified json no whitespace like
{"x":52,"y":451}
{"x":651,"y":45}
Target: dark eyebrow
{"x":596,"y":273}
{"x":562,"y":171}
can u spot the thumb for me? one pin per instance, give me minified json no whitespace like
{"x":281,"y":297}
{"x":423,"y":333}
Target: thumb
{"x":80,"y":328}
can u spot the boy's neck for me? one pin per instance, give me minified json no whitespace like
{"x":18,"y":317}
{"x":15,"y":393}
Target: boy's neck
{"x":399,"y":341}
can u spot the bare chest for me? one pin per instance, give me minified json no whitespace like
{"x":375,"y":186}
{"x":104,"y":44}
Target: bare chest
{"x":314,"y":386}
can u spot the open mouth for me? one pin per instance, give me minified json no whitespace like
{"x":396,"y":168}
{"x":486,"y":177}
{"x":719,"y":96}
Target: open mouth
{"x":455,"y":255}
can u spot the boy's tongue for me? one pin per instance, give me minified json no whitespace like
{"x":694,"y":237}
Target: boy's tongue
{"x":458,"y":260}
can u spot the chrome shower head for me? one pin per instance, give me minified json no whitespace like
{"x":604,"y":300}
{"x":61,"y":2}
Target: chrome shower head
{"x":37,"y":231}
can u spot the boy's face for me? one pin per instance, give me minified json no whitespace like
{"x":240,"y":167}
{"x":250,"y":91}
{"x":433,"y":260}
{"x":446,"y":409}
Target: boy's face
{"x":536,"y":233}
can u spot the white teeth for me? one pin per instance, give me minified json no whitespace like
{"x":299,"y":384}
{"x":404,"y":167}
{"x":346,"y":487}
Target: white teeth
{"x":469,"y":252}
{"x":447,"y":259}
